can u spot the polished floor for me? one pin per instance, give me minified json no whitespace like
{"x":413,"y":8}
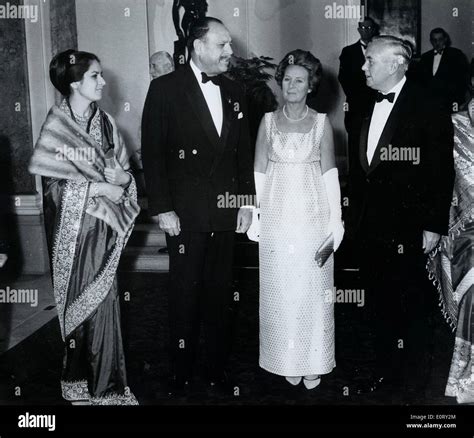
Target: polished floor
{"x":30,"y":369}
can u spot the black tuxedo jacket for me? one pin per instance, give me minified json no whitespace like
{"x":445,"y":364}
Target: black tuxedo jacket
{"x":451,"y":81}
{"x":352,"y":78}
{"x":397,"y":199}
{"x":188,"y":167}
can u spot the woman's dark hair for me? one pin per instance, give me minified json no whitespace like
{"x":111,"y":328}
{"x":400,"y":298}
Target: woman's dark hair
{"x":303,"y":59}
{"x":68,"y":67}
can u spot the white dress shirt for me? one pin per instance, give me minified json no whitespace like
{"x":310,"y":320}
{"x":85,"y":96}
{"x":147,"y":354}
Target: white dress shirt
{"x":363,"y":46}
{"x":436,"y":61}
{"x":212,"y":94}
{"x":380,"y":116}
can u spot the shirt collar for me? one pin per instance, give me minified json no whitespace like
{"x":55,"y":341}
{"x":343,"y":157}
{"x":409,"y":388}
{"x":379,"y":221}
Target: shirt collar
{"x":397,"y":88}
{"x":196,"y":71}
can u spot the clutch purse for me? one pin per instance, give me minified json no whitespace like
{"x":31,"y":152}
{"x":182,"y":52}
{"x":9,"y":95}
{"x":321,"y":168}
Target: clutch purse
{"x":325,"y":251}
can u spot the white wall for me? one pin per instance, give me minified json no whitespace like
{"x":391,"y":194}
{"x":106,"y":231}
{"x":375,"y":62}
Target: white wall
{"x":258,"y":27}
{"x":273,"y":28}
{"x":117,"y":32}
{"x":279,"y":26}
{"x":160,"y":26}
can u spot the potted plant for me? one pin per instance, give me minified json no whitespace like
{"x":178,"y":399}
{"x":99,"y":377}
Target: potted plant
{"x":253,"y":75}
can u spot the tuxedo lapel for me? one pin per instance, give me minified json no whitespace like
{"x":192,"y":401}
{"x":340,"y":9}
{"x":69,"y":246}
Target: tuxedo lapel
{"x":226,"y":126}
{"x":364,"y":136}
{"x":445,"y":62}
{"x":430,"y":61}
{"x":198,"y":103}
{"x":390,"y":127}
{"x":227,"y":115}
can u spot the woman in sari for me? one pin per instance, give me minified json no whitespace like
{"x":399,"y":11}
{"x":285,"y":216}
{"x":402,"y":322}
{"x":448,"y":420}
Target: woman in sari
{"x":90,"y":205}
{"x":450,"y":265}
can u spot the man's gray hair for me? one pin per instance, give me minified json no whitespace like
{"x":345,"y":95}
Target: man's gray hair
{"x":400,"y":48}
{"x":162,"y":54}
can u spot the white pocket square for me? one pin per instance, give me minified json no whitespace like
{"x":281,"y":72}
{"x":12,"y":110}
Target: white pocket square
{"x":240,"y":116}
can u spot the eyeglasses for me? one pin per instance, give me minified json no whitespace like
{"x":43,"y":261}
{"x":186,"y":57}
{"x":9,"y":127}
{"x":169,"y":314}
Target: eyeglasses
{"x":365,"y":27}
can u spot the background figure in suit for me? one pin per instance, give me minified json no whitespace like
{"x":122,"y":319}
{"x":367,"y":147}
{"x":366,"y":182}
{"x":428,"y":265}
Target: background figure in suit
{"x":195,"y":151}
{"x":161,"y":63}
{"x":444,"y":71}
{"x":406,"y":159}
{"x":358,"y":94}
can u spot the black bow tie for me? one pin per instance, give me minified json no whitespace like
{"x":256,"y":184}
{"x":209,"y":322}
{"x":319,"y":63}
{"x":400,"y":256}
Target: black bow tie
{"x":438,"y":52}
{"x":390,"y":97}
{"x":216,"y":80}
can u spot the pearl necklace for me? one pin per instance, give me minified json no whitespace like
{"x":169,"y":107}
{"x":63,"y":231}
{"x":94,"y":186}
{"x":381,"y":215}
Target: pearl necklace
{"x":82,"y":118}
{"x":296,"y":120}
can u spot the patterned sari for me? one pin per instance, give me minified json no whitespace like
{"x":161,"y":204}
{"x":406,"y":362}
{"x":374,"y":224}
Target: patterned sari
{"x":86,"y":235}
{"x":451,"y":265}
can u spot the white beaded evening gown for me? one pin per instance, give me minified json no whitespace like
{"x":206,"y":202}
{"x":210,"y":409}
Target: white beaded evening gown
{"x":296,"y":308}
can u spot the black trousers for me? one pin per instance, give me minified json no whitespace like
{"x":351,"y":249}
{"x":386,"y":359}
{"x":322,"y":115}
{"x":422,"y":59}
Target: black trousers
{"x":200,"y":293}
{"x":401,"y":304}
{"x":353,"y":138}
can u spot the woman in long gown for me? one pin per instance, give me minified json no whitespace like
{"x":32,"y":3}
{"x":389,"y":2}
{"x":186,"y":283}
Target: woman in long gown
{"x":90,"y":206}
{"x":298,"y":192}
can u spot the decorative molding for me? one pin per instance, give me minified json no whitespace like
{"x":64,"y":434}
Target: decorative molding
{"x":38,"y":45}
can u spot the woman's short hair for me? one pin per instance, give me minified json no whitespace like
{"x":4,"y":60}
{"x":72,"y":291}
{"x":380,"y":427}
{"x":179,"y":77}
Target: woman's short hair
{"x":68,"y":67}
{"x":304,"y":59}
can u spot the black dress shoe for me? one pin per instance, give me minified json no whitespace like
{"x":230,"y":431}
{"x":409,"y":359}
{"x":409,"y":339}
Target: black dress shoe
{"x":178,"y":386}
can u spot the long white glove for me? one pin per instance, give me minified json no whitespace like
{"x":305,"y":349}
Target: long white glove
{"x":333,"y":190}
{"x":253,"y":232}
{"x":259,"y":186}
